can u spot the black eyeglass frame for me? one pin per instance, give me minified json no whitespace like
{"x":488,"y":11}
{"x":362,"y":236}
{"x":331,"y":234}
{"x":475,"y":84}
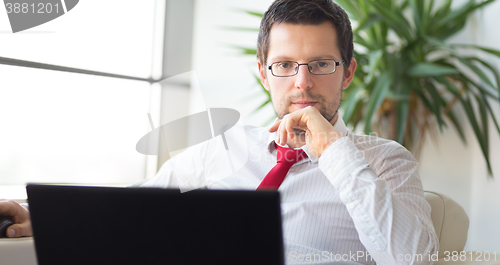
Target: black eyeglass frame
{"x":308,"y":68}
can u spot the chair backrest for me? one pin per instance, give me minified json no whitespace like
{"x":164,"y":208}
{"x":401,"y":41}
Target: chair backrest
{"x":450,"y":221}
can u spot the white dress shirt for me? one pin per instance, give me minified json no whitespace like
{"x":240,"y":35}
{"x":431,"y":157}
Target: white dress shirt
{"x":361,"y":202}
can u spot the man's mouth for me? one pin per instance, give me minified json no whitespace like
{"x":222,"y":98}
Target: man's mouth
{"x":303,"y":104}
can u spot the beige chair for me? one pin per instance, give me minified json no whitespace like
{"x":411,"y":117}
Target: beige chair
{"x":452,"y":225}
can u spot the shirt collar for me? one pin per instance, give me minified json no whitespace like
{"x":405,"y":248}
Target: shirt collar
{"x":339,"y":126}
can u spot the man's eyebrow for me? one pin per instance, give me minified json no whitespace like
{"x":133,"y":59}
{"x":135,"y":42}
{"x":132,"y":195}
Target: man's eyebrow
{"x":323,"y":56}
{"x":286,"y":58}
{"x":281,"y":58}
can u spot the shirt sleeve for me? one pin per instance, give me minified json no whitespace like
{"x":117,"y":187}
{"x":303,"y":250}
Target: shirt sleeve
{"x":163,"y":179}
{"x":185,"y":171}
{"x":384,"y":198}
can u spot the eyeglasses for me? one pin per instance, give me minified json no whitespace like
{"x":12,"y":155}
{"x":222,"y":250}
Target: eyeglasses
{"x":316,"y":67}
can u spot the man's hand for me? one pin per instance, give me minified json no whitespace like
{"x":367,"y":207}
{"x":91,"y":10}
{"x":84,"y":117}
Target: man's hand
{"x":319,"y":132}
{"x":20,"y":216}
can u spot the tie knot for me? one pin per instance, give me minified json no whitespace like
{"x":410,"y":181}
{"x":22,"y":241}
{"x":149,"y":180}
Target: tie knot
{"x":288,"y":155}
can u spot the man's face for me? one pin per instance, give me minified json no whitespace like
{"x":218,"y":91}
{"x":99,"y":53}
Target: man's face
{"x":302,"y":44}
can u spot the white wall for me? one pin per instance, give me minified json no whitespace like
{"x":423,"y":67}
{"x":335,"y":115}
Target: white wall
{"x":224,"y":75}
{"x":449,"y":168}
{"x":485,"y":195}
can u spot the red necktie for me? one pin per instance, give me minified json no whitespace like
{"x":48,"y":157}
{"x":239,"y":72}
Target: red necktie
{"x":286,"y":158}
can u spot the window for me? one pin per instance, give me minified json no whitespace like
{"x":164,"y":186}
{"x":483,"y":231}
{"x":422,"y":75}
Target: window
{"x":59,"y":125}
{"x":64,"y":127}
{"x":113,"y":36}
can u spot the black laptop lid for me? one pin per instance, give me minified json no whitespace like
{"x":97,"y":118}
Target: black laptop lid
{"x":97,"y":225}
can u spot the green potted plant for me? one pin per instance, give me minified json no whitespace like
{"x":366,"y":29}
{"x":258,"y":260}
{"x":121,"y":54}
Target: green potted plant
{"x":409,"y":78}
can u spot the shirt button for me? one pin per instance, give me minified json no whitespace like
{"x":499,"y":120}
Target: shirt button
{"x":330,"y":171}
{"x":351,"y":205}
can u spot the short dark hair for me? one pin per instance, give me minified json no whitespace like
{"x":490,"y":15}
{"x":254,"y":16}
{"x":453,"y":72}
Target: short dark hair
{"x":307,"y":12}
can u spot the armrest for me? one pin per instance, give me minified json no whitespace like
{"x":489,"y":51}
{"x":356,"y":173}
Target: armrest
{"x":471,"y":258}
{"x":17,"y":251}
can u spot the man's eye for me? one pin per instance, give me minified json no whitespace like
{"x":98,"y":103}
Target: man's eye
{"x":323,"y":64}
{"x":284,"y":65}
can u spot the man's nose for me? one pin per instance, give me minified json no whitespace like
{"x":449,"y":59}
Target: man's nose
{"x":303,"y":79}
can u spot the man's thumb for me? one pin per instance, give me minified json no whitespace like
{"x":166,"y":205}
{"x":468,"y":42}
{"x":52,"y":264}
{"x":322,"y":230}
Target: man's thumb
{"x":19,"y":230}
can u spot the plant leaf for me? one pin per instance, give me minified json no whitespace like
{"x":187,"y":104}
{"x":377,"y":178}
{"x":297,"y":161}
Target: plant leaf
{"x":455,"y":91}
{"x":357,"y":113}
{"x":375,"y":58}
{"x":430,"y":69}
{"x":368,"y":22}
{"x":427,"y":14}
{"x":453,"y":15}
{"x":402,"y":108}
{"x":483,"y":141}
{"x":477,"y":70}
{"x":376,"y":97}
{"x":492,"y":115}
{"x":257,"y":78}
{"x":457,"y":125}
{"x":462,"y":12}
{"x":245,"y":50}
{"x":492,"y":69}
{"x":394,"y":19}
{"x":467,"y":61}
{"x":466,"y":80}
{"x":418,"y":10}
{"x":483,"y":114}
{"x":484,"y":49}
{"x":261,"y":106}
{"x":436,"y":106}
{"x":349,"y":104}
{"x":363,"y":42}
{"x":253,"y":13}
{"x":257,"y":14}
{"x":467,"y":106}
{"x":444,"y":9}
{"x":352,"y":8}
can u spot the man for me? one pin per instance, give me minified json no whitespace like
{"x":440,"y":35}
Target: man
{"x":353,"y":199}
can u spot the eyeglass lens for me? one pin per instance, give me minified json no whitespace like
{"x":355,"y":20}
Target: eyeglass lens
{"x":317,"y":67}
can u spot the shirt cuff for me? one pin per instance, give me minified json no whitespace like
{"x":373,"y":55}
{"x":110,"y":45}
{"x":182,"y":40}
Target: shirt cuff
{"x":342,"y":160}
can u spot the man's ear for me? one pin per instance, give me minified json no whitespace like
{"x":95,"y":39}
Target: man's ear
{"x":262,"y":74}
{"x":349,"y":74}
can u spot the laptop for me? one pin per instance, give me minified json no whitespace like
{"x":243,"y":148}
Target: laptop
{"x":103,"y":225}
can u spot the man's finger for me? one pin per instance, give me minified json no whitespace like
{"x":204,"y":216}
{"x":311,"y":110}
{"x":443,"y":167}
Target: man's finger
{"x":275,"y":126}
{"x":19,"y":215}
{"x":7,"y":208}
{"x":282,"y":138}
{"x":291,"y":123}
{"x":19,"y":230}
